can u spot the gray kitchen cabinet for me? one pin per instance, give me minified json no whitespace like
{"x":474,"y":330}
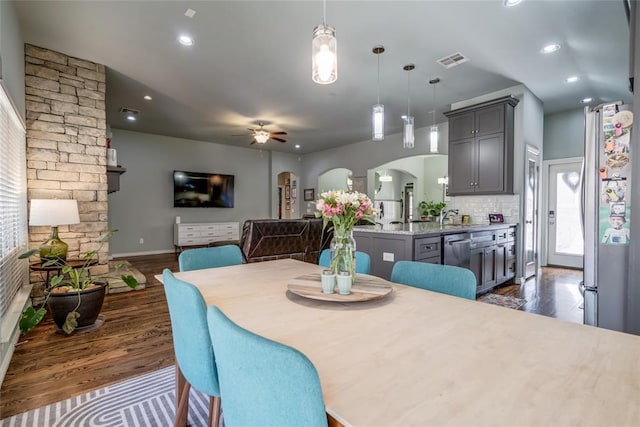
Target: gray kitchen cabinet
{"x":386,"y":249}
{"x":505,"y":255}
{"x":481,"y":148}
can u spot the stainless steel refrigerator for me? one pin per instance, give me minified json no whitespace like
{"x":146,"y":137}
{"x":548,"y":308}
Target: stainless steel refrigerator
{"x":606,"y":214}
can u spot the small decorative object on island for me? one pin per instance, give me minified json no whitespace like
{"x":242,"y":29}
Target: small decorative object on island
{"x":74,"y":296}
{"x":344,"y":209}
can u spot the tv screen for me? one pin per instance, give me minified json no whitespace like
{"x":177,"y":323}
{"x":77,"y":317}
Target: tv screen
{"x":202,"y":190}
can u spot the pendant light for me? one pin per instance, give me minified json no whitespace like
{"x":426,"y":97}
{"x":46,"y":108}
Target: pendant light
{"x":377,"y":116}
{"x":324,"y":52}
{"x":407,"y":128}
{"x":433,"y":135}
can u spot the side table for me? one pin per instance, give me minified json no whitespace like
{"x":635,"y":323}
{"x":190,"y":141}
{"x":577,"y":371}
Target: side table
{"x":74,"y":263}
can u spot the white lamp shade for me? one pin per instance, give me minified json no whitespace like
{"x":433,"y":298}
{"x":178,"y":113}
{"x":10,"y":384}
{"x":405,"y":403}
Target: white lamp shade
{"x":378,"y":123}
{"x":53,"y":212}
{"x":324,"y":55}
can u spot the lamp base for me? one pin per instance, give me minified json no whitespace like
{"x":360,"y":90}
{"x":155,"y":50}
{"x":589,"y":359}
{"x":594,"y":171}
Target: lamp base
{"x":54,"y":248}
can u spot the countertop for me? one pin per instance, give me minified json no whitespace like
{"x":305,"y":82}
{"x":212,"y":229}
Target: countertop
{"x":428,"y":228}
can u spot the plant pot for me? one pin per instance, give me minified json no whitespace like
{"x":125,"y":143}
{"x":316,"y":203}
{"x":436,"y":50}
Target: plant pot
{"x":62,"y":304}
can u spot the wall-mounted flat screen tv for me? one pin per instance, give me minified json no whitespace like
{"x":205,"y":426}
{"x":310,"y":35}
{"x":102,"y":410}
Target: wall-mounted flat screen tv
{"x":202,"y":190}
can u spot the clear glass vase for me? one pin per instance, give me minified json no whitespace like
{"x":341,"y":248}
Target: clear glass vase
{"x":343,"y":252}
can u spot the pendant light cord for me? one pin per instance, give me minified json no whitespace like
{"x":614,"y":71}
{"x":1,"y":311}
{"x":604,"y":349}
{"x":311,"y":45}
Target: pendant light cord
{"x":408,"y":93}
{"x":324,"y":12}
{"x":378,"y":55}
{"x":434,"y":105}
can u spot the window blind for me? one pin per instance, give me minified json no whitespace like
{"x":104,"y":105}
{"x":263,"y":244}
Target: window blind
{"x":13,"y":202}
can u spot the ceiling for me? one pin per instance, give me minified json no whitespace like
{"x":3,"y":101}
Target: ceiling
{"x":251,"y":61}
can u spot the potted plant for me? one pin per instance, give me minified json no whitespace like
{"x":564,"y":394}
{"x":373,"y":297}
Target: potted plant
{"x":74,"y":296}
{"x":431,"y":208}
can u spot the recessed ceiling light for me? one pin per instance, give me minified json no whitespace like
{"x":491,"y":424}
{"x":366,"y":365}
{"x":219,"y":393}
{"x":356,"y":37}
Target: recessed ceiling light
{"x":189,"y":13}
{"x":185,"y":40}
{"x":297,"y":145}
{"x":131,"y":118}
{"x":550,"y":48}
{"x":147,"y":98}
{"x":587,"y":100}
{"x":509,"y":3}
{"x":572,"y":79}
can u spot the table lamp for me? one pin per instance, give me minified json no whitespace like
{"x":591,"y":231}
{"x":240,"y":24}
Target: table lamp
{"x":53,"y":212}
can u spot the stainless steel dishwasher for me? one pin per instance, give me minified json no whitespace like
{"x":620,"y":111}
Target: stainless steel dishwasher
{"x":457,"y":250}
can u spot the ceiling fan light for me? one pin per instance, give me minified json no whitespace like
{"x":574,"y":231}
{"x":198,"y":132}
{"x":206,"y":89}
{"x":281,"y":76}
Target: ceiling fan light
{"x":324,"y":55}
{"x":261,"y":136}
{"x":378,"y":122}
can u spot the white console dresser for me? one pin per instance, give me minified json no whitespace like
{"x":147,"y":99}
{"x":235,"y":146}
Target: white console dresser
{"x":204,"y":233}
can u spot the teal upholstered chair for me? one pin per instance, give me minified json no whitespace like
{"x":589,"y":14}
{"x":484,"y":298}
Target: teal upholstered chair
{"x":263,"y":383}
{"x":217,"y":256}
{"x":446,"y":279}
{"x":363,"y":261}
{"x":195,"y":362}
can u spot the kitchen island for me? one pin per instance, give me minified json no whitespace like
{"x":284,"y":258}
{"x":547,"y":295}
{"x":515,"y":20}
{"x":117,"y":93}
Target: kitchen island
{"x":489,"y":250}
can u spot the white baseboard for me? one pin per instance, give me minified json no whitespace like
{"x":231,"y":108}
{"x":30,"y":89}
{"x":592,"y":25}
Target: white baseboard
{"x":9,"y":332}
{"x":126,"y":254}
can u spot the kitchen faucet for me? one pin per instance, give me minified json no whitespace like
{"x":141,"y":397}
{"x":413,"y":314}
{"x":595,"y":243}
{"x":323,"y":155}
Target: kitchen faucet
{"x":443,"y":214}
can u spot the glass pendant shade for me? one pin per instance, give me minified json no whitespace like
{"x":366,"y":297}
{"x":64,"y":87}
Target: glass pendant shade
{"x":408,"y":137}
{"x":433,"y":139}
{"x":324,"y":55}
{"x":378,"y":122}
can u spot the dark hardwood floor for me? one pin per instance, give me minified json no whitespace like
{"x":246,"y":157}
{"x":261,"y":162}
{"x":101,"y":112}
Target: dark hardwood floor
{"x":136,"y":338}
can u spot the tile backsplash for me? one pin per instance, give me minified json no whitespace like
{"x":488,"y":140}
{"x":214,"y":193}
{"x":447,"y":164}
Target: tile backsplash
{"x":479,"y":207}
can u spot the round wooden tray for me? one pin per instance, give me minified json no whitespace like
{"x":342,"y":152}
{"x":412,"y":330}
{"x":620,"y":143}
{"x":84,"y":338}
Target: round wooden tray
{"x":365,"y":288}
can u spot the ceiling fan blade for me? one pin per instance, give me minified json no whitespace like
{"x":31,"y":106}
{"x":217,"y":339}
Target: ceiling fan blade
{"x":252,"y":130}
{"x":278,"y":139}
{"x":253,"y":142}
{"x":278,"y":133}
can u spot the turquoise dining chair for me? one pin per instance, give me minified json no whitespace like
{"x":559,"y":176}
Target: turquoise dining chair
{"x":195,"y":361}
{"x":363,"y":261}
{"x":263,"y":382}
{"x":446,"y":279}
{"x":217,"y":256}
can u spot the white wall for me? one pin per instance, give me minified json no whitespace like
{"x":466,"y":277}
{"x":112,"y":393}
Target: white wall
{"x":334,"y":179}
{"x":12,"y":55}
{"x":564,"y":134}
{"x":284,"y":162}
{"x":143,"y":208}
{"x":365,"y":155}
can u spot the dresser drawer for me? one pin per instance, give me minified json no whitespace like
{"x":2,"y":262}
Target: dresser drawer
{"x":502,"y":235}
{"x":427,"y":247}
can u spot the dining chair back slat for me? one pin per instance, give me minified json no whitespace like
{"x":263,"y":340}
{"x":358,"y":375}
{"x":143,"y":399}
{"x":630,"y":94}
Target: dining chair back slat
{"x":217,"y":256}
{"x":446,"y":279}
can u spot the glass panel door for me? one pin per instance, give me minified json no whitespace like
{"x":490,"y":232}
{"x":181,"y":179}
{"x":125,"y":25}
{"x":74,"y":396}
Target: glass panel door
{"x":565,"y":243}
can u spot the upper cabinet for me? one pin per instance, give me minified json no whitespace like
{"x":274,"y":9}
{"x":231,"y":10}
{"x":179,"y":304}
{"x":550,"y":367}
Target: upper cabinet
{"x":481,"y":148}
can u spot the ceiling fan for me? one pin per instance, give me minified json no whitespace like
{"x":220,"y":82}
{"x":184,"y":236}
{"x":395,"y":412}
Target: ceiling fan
{"x":262,"y":135}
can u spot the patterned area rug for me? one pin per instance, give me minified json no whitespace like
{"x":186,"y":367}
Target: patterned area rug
{"x":147,"y":400}
{"x":503,"y":300}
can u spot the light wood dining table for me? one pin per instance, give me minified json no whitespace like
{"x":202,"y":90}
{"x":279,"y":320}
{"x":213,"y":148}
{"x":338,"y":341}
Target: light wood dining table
{"x":421,"y":358}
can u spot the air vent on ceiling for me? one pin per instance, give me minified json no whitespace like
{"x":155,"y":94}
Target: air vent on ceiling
{"x":130,"y":111}
{"x":452,"y":60}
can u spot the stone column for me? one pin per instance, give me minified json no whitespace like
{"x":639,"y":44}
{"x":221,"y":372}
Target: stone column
{"x":66,"y":146}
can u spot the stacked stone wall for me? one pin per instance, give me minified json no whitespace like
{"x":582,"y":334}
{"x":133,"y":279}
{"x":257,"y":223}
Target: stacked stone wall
{"x":66,"y":146}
